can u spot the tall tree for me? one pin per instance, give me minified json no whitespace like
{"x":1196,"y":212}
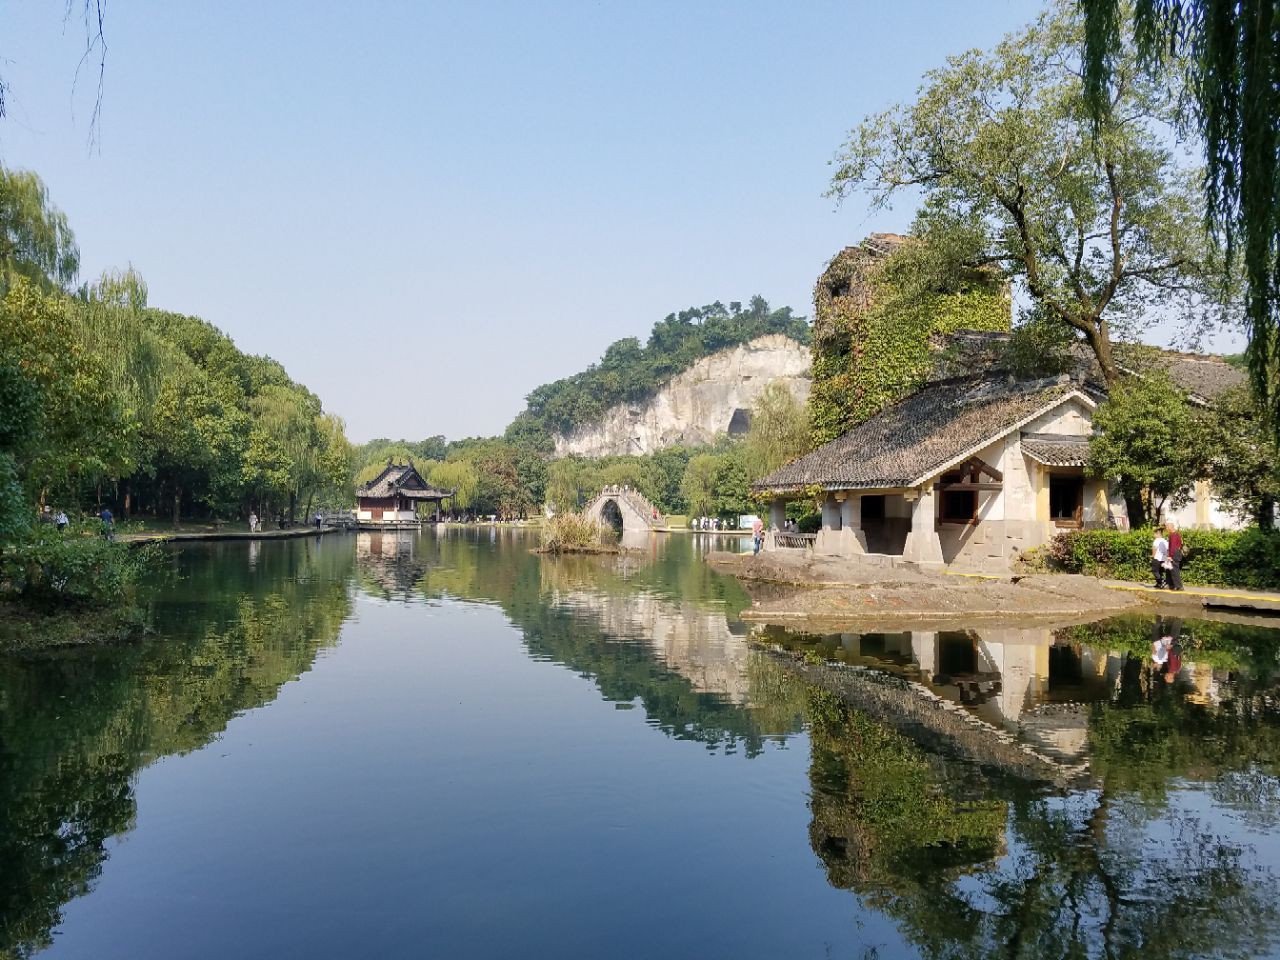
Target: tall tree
{"x":1226,"y":54}
{"x":1100,"y":223}
{"x":36,"y":241}
{"x":779,"y":431}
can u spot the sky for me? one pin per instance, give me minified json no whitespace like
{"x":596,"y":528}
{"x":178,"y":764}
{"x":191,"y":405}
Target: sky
{"x":425,"y":210}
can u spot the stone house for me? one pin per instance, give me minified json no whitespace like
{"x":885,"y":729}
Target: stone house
{"x":971,"y":469}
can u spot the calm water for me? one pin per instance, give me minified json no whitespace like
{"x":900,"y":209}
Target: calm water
{"x":444,"y":746}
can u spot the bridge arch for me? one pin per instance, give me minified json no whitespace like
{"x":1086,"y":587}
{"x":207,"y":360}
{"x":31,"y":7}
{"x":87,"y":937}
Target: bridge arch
{"x":624,"y":509}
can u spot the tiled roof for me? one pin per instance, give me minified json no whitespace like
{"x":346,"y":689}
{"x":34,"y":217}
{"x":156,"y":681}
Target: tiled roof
{"x":1204,"y":376}
{"x":1056,"y":451}
{"x":915,"y":438}
{"x":400,"y":478}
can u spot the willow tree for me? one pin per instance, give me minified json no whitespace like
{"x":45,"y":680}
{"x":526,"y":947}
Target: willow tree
{"x":1100,"y":224}
{"x":1226,"y":54}
{"x":779,"y":431}
{"x":36,"y":241}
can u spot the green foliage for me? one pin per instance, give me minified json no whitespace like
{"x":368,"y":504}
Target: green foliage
{"x":871,"y":341}
{"x":47,"y":567}
{"x":458,"y":476}
{"x":1231,"y":558}
{"x":1098,"y":220}
{"x":1147,"y":437}
{"x":568,"y":531}
{"x":1037,"y":348}
{"x":779,"y":431}
{"x":1245,"y":462}
{"x":36,"y":243}
{"x":717,"y":484}
{"x":630,"y":372}
{"x":1221,"y":59}
{"x":106,"y":400}
{"x":699,"y":484}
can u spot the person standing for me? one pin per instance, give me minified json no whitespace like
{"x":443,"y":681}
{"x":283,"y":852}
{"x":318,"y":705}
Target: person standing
{"x":757,"y":534}
{"x":60,"y":520}
{"x":1159,"y":556}
{"x":1174,"y":566}
{"x":108,"y":522}
{"x":253,"y":522}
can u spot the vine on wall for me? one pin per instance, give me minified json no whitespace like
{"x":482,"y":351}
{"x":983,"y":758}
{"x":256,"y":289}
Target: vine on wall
{"x":873,"y":330}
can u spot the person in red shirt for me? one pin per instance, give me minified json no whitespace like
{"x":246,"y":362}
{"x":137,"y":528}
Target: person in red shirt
{"x":1175,"y":557}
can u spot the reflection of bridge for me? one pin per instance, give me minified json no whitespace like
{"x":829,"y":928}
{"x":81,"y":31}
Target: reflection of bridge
{"x":623,"y":508}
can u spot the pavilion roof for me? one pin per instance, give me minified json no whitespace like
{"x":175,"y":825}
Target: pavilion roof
{"x":402,"y":479}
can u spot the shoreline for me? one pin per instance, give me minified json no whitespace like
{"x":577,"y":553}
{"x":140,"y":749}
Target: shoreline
{"x":157,"y":536}
{"x":788,"y":590}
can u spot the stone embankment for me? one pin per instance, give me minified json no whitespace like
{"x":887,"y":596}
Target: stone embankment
{"x":787,"y":588}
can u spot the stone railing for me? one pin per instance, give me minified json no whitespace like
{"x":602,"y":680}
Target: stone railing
{"x":794,"y":541}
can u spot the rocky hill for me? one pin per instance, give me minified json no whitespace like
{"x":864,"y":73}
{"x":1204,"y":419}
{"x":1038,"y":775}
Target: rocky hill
{"x":713,"y":396}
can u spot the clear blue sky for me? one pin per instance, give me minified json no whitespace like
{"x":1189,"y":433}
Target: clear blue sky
{"x":426,"y":210}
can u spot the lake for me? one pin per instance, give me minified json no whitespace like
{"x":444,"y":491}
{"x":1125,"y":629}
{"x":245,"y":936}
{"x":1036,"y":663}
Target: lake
{"x":438,"y":744}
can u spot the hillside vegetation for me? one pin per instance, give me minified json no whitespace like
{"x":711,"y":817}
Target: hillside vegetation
{"x":630,"y":372}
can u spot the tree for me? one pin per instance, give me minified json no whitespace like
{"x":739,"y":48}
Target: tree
{"x":1226,"y":55}
{"x":36,"y":242}
{"x":571,"y":481}
{"x":699,"y":484}
{"x":458,"y":476}
{"x":1148,"y":439}
{"x":779,"y":431}
{"x":1099,"y":222}
{"x":1244,"y":466}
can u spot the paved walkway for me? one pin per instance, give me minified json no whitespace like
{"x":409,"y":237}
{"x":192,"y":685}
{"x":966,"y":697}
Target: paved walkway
{"x":1200,"y":596}
{"x":157,"y":536}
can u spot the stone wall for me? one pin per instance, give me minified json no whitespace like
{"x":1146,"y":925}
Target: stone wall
{"x":697,"y":405}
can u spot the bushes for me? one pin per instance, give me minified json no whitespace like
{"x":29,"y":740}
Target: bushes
{"x":45,"y":567}
{"x":570,"y":531}
{"x":1244,"y":558}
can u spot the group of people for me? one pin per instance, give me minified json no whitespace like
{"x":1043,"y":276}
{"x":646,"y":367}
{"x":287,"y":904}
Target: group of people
{"x":57,"y":518}
{"x":709,"y":523}
{"x":1166,"y":557}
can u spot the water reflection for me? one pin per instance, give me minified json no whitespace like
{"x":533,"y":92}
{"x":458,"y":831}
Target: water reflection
{"x":1149,"y":835}
{"x":650,"y":626}
{"x":975,"y":866}
{"x":1036,"y":683}
{"x":232,"y":625}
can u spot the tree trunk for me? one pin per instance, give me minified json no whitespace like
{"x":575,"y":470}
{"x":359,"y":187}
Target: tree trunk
{"x":1267,"y":514}
{"x":128,"y":500}
{"x":1136,"y":507}
{"x":293,"y":502}
{"x":177,"y":504}
{"x":310,"y":500}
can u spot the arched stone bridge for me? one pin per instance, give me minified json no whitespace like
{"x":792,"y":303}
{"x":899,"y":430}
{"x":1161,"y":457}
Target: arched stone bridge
{"x":625,"y":508}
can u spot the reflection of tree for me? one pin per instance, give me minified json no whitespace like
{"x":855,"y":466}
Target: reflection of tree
{"x":1095,"y":873}
{"x":885,"y":815}
{"x":75,"y":727}
{"x":529,"y":588}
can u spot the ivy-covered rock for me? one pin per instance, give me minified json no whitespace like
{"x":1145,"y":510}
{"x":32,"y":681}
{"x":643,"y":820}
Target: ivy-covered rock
{"x":874,"y":329}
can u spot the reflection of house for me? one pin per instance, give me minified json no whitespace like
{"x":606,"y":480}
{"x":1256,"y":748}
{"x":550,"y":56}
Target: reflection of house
{"x":1018,"y":680}
{"x":392,"y":497}
{"x":971,"y":469}
{"x":389,"y":561}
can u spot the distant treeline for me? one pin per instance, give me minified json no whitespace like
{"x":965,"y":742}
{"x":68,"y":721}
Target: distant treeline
{"x":631,"y":373}
{"x":107,"y":401}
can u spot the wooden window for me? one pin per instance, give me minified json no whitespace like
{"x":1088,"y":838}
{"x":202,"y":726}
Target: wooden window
{"x":958,"y":506}
{"x":1066,"y":500}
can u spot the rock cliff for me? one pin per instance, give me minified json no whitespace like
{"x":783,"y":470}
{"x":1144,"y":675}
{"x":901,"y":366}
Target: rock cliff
{"x":712,"y":397}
